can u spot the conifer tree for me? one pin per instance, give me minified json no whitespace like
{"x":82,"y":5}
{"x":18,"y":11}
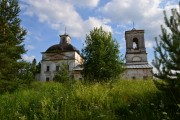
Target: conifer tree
{"x":38,"y":68}
{"x":33,"y":67}
{"x":102,"y":57}
{"x":167,"y":54}
{"x":11,"y":39}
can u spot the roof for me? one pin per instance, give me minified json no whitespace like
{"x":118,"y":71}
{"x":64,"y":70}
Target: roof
{"x":139,"y":66}
{"x":61,"y":47}
{"x":134,"y":31}
{"x":78,"y":68}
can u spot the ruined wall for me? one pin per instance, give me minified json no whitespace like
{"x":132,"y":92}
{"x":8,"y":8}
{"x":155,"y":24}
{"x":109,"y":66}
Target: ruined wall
{"x":139,"y":74}
{"x":50,"y":61}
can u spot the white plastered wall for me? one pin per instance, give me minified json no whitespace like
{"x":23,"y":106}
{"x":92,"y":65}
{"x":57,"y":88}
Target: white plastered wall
{"x":71,"y":58}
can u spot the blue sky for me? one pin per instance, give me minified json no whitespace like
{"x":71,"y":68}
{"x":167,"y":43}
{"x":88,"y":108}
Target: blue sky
{"x":45,"y":20}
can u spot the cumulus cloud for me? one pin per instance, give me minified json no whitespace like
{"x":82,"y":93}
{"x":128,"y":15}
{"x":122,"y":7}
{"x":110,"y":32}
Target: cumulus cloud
{"x":126,"y":11}
{"x":85,"y":3}
{"x":146,"y":14}
{"x":28,"y":58}
{"x":60,"y":14}
{"x":94,"y":22}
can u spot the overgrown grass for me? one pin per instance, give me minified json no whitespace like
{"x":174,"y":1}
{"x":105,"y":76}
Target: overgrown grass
{"x":122,"y":99}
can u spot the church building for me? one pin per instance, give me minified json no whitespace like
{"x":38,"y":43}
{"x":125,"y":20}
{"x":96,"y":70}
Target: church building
{"x":137,"y":66}
{"x":58,"y":54}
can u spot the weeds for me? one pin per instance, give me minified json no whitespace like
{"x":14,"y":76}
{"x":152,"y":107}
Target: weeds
{"x":103,"y":101}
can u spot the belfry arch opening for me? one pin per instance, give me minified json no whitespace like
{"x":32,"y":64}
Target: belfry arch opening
{"x":135,"y":44}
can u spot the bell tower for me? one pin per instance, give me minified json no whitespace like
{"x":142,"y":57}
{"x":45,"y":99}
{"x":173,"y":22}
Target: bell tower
{"x":135,"y":47}
{"x":137,"y":66}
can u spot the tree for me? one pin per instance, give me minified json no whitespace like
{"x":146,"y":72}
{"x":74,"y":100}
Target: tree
{"x":63,"y":74}
{"x":35,"y":68}
{"x":25,"y":74}
{"x":28,"y":71}
{"x":102,"y":57}
{"x":11,"y":39}
{"x":24,"y":77}
{"x":38,"y":68}
{"x":167,"y":55}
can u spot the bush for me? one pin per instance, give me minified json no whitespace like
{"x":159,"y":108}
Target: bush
{"x":7,"y":86}
{"x":62,"y":75}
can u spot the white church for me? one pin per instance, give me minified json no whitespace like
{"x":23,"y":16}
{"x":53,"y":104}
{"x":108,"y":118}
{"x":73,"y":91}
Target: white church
{"x":137,"y":66}
{"x":58,"y":54}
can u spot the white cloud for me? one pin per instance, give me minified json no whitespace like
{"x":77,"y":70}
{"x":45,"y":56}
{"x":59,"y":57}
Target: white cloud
{"x":85,"y":3}
{"x":94,"y":22}
{"x":56,"y":13}
{"x":30,"y":47}
{"x":122,"y":44}
{"x":38,"y":37}
{"x":130,"y":10}
{"x":28,"y":58}
{"x":149,"y":44}
{"x":146,"y":14}
{"x":60,"y":14}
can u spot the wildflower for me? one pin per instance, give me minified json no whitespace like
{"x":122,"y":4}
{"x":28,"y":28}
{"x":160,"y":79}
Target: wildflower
{"x":89,"y":113}
{"x":131,"y":112}
{"x":101,"y":115}
{"x":177,"y":113}
{"x":164,"y":113}
{"x":178,"y":105}
{"x":152,"y":104}
{"x":138,"y":104}
{"x":96,"y":107}
{"x":161,"y":105}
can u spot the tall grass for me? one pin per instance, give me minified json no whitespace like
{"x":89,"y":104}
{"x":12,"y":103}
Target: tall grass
{"x":127,"y":100}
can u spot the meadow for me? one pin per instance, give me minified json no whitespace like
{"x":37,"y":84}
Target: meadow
{"x":114,"y":100}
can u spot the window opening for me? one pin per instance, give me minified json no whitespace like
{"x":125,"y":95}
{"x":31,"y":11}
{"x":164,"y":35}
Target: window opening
{"x":57,"y":68}
{"x":64,"y":40}
{"x":47,"y":79}
{"x":135,"y":43}
{"x":133,"y":77}
{"x":47,"y":69}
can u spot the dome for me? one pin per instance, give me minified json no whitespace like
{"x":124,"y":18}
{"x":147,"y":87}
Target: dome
{"x":62,"y":48}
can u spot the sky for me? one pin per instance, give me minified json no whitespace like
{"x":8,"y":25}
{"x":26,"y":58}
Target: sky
{"x":45,"y":20}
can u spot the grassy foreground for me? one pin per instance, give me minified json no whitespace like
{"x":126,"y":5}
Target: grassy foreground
{"x":126,"y":100}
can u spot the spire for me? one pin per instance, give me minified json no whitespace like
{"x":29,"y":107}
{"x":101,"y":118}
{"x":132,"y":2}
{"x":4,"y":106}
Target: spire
{"x":133,"y":26}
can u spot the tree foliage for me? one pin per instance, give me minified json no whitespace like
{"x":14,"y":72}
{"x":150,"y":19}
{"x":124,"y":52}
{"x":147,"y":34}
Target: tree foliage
{"x":35,"y":68}
{"x":102,"y":57}
{"x":167,"y":54}
{"x":11,"y":39}
{"x":63,"y":74}
{"x":24,"y":77}
{"x":25,"y":74}
{"x":28,"y":71}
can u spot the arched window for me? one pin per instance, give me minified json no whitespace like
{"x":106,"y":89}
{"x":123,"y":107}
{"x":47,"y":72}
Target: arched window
{"x":64,"y":40}
{"x":135,"y":43}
